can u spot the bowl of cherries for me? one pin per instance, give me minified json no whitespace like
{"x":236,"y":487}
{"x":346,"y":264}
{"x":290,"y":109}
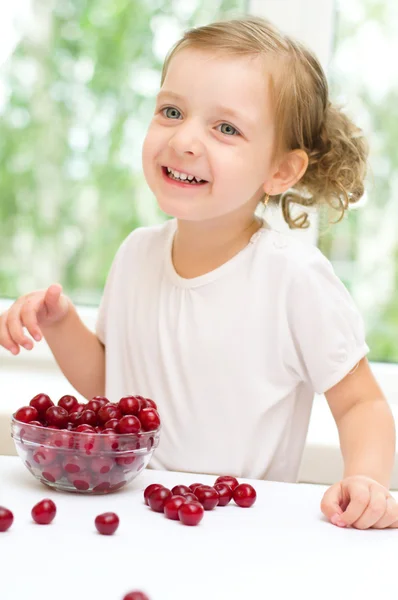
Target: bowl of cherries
{"x":92,"y":448}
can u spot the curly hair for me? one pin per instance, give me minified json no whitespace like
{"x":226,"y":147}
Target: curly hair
{"x":305,"y":117}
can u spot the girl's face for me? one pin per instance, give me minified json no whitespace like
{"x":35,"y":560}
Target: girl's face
{"x":213,"y":119}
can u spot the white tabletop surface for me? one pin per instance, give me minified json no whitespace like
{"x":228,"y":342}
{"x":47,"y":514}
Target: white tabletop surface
{"x":282,"y":547}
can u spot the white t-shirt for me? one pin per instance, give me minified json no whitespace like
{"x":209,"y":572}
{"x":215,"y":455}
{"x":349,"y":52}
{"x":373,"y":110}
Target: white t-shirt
{"x":233,"y":357}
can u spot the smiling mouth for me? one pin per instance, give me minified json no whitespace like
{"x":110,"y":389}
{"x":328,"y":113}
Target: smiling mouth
{"x":184,"y":181}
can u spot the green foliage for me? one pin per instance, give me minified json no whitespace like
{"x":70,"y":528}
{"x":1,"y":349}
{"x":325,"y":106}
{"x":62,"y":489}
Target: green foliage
{"x":71,"y":130}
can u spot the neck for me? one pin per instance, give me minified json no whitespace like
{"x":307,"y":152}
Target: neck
{"x":201,"y":246}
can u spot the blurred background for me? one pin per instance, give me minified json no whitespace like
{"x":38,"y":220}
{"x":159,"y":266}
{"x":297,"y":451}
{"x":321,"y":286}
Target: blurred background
{"x":77,"y":85}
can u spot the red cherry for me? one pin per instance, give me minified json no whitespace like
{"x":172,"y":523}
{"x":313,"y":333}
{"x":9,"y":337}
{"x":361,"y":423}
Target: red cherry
{"x":225,"y":493}
{"x":177,"y":490}
{"x":88,"y":417}
{"x":151,"y":403}
{"x":126,"y":460}
{"x":150,"y":420}
{"x":136,"y":596}
{"x":44,"y":511}
{"x":26,"y":414}
{"x":229,"y":480}
{"x":74,"y":418}
{"x":191,"y":513}
{"x":37,"y":423}
{"x":157,"y":499}
{"x":69,"y":403}
{"x":94,"y":405}
{"x":107,"y":523}
{"x":74,"y":464}
{"x":57,"y":416}
{"x":81,"y":480}
{"x":101,"y":400}
{"x":108,"y":412}
{"x":244,"y":495}
{"x":41,"y":402}
{"x":172,"y":505}
{"x":52,"y":472}
{"x":62,"y":439}
{"x":193,"y":486}
{"x":84,"y":428}
{"x":129,"y":405}
{"x":6,"y":518}
{"x":208,"y":497}
{"x":128,"y":424}
{"x":101,"y":464}
{"x":149,"y":489}
{"x":190,"y":497}
{"x":44,"y":455}
{"x":111,"y":424}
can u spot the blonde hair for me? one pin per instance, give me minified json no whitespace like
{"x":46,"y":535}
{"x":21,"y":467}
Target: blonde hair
{"x":304,"y":115}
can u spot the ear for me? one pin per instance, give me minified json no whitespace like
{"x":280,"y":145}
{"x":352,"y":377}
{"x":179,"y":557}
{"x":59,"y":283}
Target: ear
{"x":290,"y":169}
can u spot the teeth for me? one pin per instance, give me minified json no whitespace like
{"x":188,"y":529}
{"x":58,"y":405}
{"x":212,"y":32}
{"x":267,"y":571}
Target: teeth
{"x":183,"y":176}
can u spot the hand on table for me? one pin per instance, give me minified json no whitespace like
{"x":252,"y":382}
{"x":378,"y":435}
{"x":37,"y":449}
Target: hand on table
{"x":361,"y":502}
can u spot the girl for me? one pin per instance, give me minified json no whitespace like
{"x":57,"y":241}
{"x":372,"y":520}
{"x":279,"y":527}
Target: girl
{"x":229,"y":325}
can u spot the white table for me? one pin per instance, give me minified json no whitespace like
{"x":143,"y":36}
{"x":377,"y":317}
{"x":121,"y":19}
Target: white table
{"x":281,"y":548}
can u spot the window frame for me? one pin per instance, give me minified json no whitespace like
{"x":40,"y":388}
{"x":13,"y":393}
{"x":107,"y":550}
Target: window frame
{"x":312,"y":22}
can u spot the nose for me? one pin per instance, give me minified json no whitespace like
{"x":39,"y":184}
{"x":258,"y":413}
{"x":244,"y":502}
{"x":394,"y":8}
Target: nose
{"x":187,"y":139}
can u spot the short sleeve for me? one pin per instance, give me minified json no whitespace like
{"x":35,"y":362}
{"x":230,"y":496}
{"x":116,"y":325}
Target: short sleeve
{"x":327,"y":330}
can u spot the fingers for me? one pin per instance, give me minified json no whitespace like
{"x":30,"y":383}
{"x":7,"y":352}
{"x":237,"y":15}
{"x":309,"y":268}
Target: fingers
{"x":5,"y":338}
{"x":375,"y":509}
{"x":330,"y":505}
{"x":52,"y":295}
{"x":390,"y":516}
{"x":359,"y":501}
{"x":22,"y":314}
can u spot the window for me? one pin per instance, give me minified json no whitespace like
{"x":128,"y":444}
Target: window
{"x":364,"y":246}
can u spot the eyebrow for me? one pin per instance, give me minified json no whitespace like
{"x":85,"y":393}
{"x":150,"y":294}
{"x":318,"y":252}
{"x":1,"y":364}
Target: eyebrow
{"x":222,"y":109}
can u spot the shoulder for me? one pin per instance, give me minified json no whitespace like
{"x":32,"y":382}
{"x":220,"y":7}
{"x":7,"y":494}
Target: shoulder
{"x":291,"y":256}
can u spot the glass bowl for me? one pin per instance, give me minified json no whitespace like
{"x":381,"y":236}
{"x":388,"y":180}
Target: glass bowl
{"x":88,"y":463}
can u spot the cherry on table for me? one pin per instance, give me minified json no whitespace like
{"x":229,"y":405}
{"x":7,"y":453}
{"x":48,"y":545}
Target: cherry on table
{"x":149,"y":489}
{"x":190,"y":497}
{"x":207,"y":496}
{"x":191,"y":513}
{"x":172,"y":506}
{"x":193,"y":486}
{"x":136,"y":595}
{"x":229,"y":480}
{"x":107,"y":523}
{"x":177,"y":490}
{"x":44,"y":511}
{"x":6,"y":518}
{"x":158,"y":498}
{"x":225,"y":493}
{"x":244,"y":495}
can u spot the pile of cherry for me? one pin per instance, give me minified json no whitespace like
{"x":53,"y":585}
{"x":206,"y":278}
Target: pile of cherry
{"x":188,"y":503}
{"x":98,"y":463}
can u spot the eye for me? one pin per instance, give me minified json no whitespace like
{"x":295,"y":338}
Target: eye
{"x":230,"y":127}
{"x":235,"y":132}
{"x":169,"y":108}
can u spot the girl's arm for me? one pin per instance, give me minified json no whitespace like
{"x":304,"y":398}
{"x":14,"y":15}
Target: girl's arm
{"x":79,"y":354}
{"x":365,"y":424}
